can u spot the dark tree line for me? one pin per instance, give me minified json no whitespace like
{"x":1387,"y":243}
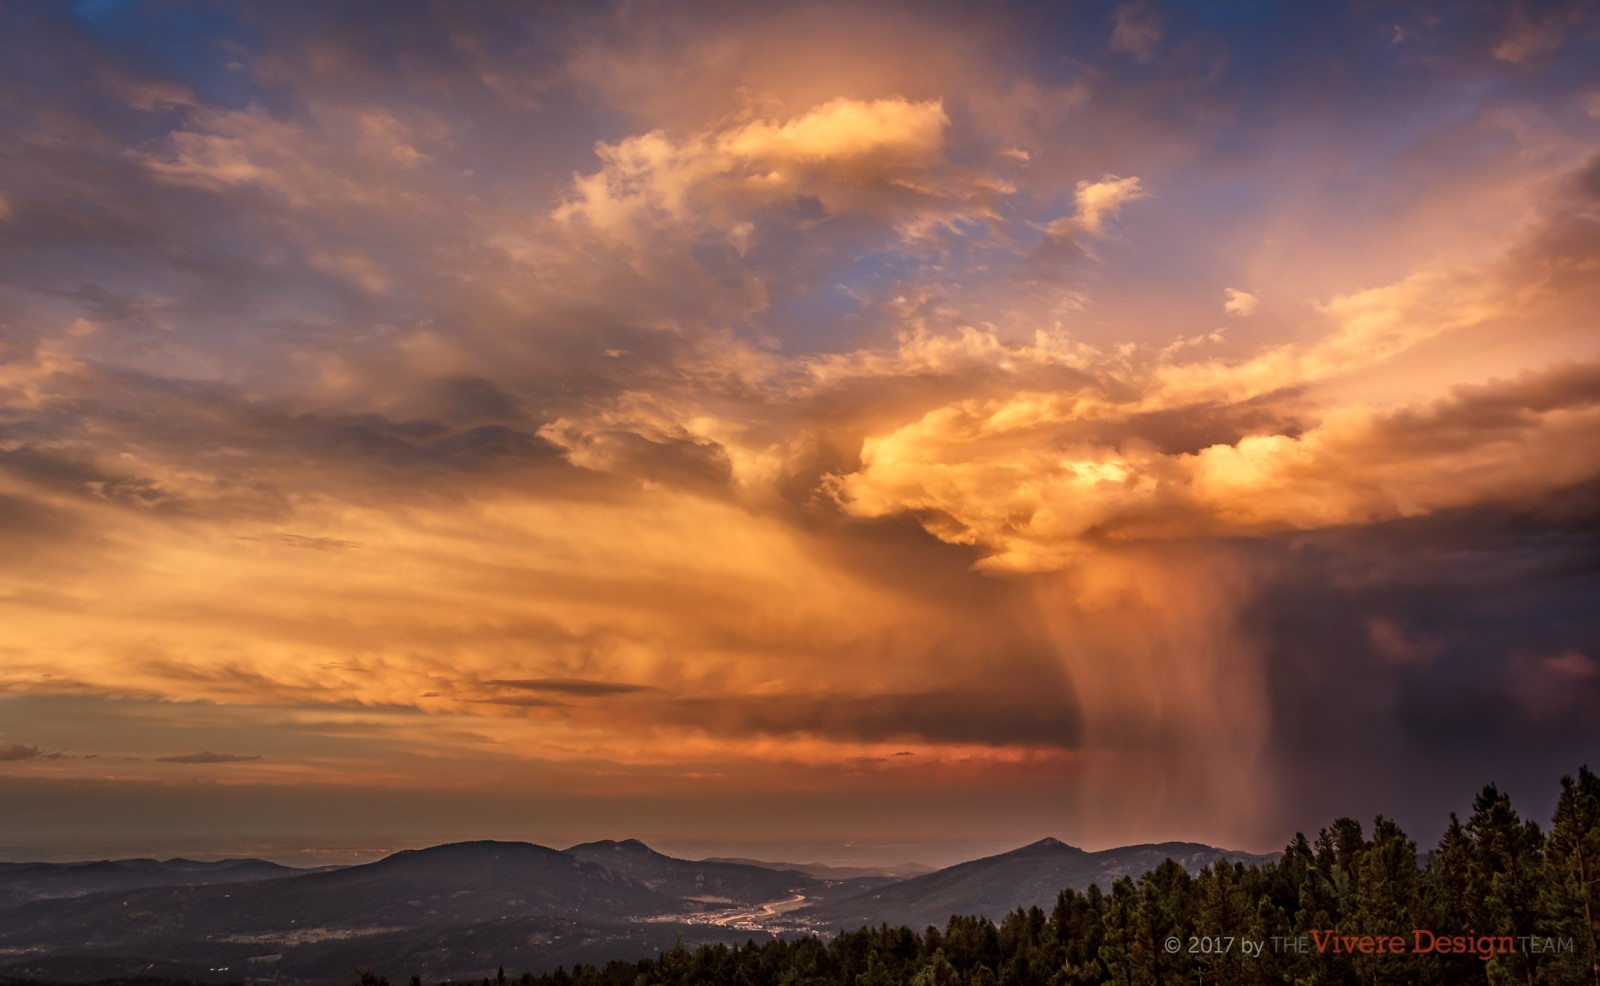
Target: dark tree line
{"x":1517,"y":905}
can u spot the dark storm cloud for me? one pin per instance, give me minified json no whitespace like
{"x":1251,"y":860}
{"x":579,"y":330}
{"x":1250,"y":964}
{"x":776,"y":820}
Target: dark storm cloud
{"x":1416,"y":660}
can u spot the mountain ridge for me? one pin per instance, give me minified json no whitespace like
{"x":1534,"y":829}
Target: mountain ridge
{"x":444,"y":911}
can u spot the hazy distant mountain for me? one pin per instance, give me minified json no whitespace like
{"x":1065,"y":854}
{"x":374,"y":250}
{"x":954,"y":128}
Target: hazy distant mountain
{"x":726,"y":882}
{"x":996,"y":885}
{"x":823,"y":872}
{"x":20,"y":882}
{"x":454,"y":884}
{"x":716,"y":881}
{"x":434,"y":911}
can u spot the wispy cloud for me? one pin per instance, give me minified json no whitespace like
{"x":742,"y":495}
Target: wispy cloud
{"x":1137,"y":30}
{"x":569,"y":686}
{"x":208,"y":757}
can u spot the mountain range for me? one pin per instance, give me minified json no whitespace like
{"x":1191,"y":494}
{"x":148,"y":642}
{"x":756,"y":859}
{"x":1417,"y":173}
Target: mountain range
{"x":465,"y":909}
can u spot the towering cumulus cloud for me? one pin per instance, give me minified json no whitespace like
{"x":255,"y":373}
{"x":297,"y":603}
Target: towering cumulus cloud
{"x":817,"y":421}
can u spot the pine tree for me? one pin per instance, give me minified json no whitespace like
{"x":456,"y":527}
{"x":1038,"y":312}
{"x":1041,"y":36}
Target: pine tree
{"x":1168,"y":905}
{"x":1223,"y":911}
{"x":877,"y":973}
{"x":1386,"y":901}
{"x":1321,"y":908}
{"x":1125,"y":951}
{"x":1572,"y":857}
{"x":1451,"y":905}
{"x":937,"y":972}
{"x":1506,"y":870}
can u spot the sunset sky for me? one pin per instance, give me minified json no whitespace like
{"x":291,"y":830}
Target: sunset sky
{"x":928,"y":427}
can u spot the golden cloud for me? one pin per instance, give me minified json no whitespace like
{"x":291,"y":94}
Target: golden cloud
{"x":882,"y":157}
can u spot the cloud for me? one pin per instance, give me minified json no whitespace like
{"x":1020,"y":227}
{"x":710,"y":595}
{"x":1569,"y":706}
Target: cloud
{"x":307,"y":164}
{"x":317,"y":543}
{"x":1573,"y":664}
{"x":569,"y":686}
{"x":1529,"y":36}
{"x":936,"y":717}
{"x":882,"y":157}
{"x":524,"y":702}
{"x":17,"y":751}
{"x":1137,"y":31}
{"x":208,"y":757}
{"x":1368,"y":327}
{"x":1007,"y":476}
{"x":1241,"y":303}
{"x":876,"y":136}
{"x":1097,"y":202}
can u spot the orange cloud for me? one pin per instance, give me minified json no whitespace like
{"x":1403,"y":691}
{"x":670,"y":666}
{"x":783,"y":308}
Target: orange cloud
{"x":1097,"y":202}
{"x":1241,"y":303}
{"x":882,"y":156}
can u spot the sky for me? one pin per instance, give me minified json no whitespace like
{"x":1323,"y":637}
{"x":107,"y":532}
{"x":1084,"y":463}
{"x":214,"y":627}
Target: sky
{"x":867,"y":430}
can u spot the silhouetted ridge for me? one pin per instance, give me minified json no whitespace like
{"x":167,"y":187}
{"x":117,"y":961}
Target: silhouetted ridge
{"x":481,"y":849}
{"x":1048,"y":843}
{"x":612,"y":845}
{"x":996,"y":885}
{"x":696,"y":880}
{"x":459,"y":883}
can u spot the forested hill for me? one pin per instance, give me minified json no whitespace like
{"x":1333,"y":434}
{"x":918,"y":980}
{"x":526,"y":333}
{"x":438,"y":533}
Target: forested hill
{"x":1498,"y":900}
{"x":996,"y":885}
